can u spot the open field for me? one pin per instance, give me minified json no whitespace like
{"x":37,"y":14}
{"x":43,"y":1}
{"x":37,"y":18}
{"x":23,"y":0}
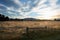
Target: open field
{"x":37,"y":30}
{"x":29,"y":34}
{"x":53,"y":24}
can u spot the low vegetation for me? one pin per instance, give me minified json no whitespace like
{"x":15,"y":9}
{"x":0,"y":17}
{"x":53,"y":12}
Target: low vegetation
{"x":53,"y":24}
{"x":42,"y":33}
{"x":30,"y":30}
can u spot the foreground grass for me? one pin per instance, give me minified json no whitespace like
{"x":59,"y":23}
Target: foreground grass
{"x":42,"y":35}
{"x":31,"y":34}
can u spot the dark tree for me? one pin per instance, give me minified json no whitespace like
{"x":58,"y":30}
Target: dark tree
{"x":3,"y":18}
{"x":57,"y":19}
{"x":7,"y":18}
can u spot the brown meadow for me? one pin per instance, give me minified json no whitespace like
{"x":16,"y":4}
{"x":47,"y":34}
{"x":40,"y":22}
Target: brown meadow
{"x":16,"y":30}
{"x":53,"y":24}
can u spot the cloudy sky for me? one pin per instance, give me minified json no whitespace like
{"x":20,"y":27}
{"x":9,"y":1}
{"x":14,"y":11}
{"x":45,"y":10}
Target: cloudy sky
{"x":40,"y":9}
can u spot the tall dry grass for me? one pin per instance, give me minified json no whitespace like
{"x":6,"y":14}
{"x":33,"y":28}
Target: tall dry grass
{"x":53,"y":24}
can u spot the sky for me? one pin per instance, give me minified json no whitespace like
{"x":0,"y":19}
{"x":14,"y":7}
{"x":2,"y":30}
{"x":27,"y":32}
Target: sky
{"x":39,"y":9}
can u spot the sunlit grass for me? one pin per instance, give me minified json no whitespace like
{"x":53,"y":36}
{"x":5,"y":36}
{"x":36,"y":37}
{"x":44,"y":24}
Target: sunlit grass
{"x":53,"y":24}
{"x":12,"y":30}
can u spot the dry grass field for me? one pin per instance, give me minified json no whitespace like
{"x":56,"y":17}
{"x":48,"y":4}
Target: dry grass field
{"x":11,"y":30}
{"x":53,"y":24}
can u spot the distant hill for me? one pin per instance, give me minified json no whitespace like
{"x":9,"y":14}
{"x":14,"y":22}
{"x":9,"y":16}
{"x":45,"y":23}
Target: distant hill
{"x":6,"y":18}
{"x":29,"y":19}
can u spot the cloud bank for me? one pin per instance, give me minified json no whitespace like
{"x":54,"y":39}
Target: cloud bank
{"x":40,"y":9}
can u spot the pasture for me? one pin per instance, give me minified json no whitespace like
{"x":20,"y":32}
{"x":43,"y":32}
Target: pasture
{"x":30,"y":30}
{"x":53,"y":24}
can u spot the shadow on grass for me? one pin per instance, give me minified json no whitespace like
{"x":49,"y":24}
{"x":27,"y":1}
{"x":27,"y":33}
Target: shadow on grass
{"x":36,"y":35}
{"x":40,"y":35}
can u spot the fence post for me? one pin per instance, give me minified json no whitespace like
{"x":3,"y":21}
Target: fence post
{"x":27,"y":32}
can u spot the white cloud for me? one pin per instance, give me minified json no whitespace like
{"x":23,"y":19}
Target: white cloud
{"x":42,"y":9}
{"x":53,"y":3}
{"x":23,"y":7}
{"x":47,"y":12}
{"x":4,"y":6}
{"x":41,"y":2}
{"x":17,"y":2}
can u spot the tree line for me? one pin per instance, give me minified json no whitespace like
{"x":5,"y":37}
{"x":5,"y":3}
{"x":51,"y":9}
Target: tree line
{"x":6,"y":18}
